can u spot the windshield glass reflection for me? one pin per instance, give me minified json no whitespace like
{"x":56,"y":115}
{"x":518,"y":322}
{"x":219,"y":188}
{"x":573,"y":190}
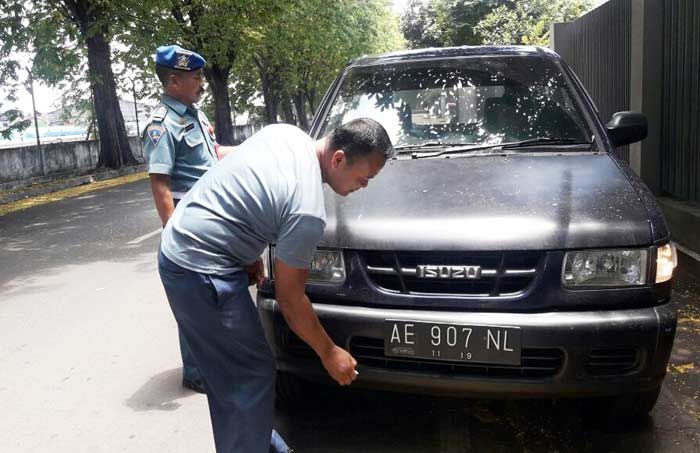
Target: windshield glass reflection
{"x":462,"y":101}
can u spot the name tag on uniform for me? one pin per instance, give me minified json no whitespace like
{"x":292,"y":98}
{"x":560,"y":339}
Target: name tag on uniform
{"x":189,"y":127}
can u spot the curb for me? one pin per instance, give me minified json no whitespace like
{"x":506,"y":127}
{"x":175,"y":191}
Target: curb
{"x":60,"y":184}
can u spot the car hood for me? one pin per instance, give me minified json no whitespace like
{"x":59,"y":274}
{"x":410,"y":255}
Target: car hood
{"x":514,"y":202}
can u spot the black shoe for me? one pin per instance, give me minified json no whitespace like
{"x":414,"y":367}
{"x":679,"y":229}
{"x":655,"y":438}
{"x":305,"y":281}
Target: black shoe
{"x":194,"y":384}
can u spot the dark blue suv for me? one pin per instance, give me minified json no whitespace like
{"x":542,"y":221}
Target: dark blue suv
{"x":505,"y":252}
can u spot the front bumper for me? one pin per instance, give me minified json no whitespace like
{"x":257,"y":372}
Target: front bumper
{"x":574,"y":337}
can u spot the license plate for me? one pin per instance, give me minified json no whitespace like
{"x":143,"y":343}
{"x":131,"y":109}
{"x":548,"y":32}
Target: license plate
{"x":452,"y":342}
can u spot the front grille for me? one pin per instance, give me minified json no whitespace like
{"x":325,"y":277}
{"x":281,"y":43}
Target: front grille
{"x":611,"y":362}
{"x":483,"y":274}
{"x":535,"y":363}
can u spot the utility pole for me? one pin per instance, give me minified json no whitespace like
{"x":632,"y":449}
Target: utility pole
{"x":36,"y":121}
{"x":136,"y":109}
{"x":136,"y":113}
{"x":30,"y":88}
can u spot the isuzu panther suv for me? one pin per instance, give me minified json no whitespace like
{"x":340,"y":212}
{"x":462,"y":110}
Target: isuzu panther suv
{"x":505,"y":252}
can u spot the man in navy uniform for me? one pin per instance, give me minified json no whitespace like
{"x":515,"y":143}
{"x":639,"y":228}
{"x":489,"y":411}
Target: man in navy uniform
{"x":180,"y":147}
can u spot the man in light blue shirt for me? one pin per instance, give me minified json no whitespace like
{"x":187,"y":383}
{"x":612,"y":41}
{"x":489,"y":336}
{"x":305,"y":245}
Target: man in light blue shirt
{"x":180,"y":147}
{"x":270,"y":191}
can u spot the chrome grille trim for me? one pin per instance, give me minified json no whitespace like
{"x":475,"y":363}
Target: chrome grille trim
{"x":413,"y":272}
{"x":506,"y":274}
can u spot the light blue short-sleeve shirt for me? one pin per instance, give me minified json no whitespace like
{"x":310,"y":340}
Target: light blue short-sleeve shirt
{"x":267,"y":191}
{"x":179,"y":141}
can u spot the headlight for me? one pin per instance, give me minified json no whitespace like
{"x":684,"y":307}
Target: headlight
{"x":605,"y":268}
{"x":327,"y":266}
{"x":666,"y":262}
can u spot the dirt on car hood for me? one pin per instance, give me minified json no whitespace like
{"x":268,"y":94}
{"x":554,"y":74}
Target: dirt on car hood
{"x":513,"y":202}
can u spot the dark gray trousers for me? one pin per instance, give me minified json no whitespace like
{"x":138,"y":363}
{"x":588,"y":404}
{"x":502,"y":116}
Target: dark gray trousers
{"x":222,"y":327}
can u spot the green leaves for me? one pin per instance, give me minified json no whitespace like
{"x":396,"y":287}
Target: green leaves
{"x":302,"y":45}
{"x":528,"y":21}
{"x":14,"y":122}
{"x":295,"y":47}
{"x":474,"y":22}
{"x":429,"y":23}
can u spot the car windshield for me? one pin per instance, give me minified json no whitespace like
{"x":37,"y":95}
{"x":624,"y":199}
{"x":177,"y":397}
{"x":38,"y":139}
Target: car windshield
{"x":465,"y":101}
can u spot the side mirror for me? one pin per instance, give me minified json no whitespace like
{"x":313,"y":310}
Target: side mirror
{"x":627,"y":127}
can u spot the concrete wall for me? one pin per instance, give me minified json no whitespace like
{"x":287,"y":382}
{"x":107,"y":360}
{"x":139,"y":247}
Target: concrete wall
{"x":27,"y":162}
{"x":242,"y":133}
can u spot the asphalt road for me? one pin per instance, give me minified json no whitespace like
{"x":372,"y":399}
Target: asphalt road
{"x":89,"y":361}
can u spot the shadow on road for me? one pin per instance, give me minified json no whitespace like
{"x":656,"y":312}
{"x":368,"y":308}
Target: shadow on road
{"x":76,"y":231}
{"x":335,"y":421}
{"x":160,"y":393}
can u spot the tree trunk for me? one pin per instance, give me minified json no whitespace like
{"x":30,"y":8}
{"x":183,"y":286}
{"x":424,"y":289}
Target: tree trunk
{"x":270,"y":96}
{"x":287,"y":112}
{"x":311,"y":96}
{"x":216,"y":74}
{"x":299,"y":104}
{"x":218,"y":81}
{"x":114,"y":144}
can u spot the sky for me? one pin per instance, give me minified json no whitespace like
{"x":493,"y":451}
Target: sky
{"x":46,"y":97}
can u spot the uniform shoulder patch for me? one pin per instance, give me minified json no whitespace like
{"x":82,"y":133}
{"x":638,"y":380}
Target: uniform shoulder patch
{"x":155,"y":132}
{"x":158,"y":114}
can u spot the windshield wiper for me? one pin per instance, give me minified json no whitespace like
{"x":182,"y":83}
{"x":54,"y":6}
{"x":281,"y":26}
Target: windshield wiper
{"x":503,"y":146}
{"x":403,"y":148}
{"x":567,"y":141}
{"x":455,"y":149}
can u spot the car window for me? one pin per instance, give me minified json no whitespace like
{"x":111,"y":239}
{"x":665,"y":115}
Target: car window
{"x":462,"y":101}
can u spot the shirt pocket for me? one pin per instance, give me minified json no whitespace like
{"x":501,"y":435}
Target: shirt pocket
{"x":194,"y":139}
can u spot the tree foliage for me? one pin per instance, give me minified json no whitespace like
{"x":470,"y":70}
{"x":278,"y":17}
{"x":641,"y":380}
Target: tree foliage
{"x":287,"y":50}
{"x":298,"y":51}
{"x":62,"y":34}
{"x":12,"y":30}
{"x":428,"y":23}
{"x":458,"y":19}
{"x":419,"y":25}
{"x":475,"y":22}
{"x":216,"y":29}
{"x":528,"y":21}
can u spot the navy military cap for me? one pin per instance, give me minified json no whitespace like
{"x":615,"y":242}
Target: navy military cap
{"x":178,"y":58}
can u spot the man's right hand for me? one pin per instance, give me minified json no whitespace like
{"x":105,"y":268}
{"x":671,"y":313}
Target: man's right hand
{"x":340,"y":365}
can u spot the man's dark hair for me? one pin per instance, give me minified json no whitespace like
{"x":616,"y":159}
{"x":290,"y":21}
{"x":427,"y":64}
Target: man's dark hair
{"x":360,"y":137}
{"x":164,"y":73}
